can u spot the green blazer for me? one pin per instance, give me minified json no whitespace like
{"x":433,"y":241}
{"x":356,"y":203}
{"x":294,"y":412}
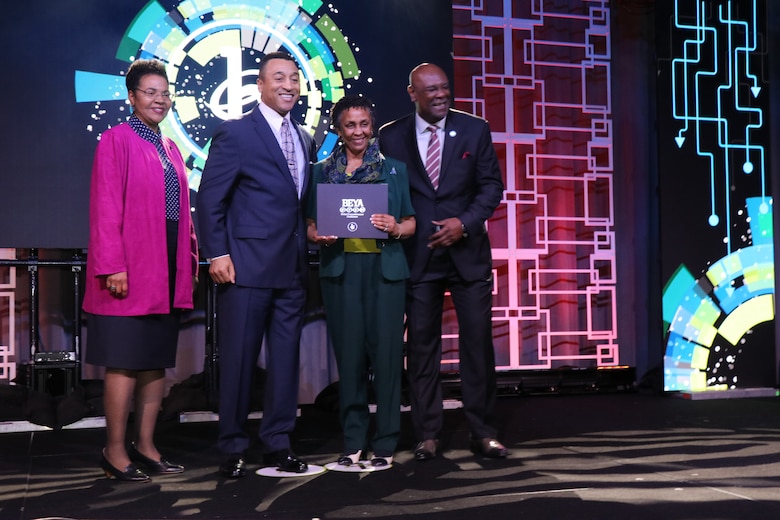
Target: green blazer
{"x":393,"y":258}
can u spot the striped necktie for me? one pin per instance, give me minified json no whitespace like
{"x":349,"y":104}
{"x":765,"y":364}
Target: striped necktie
{"x":433,"y":159}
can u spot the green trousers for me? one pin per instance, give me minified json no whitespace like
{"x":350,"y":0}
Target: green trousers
{"x":365,"y":318}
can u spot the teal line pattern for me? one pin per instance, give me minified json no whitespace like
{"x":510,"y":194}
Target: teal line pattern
{"x":701,"y":106}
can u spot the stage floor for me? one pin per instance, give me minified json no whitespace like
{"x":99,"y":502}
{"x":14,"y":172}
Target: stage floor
{"x":612,"y":456}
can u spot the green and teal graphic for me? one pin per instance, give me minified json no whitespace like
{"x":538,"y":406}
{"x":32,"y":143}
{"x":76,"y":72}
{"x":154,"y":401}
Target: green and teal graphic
{"x":704,"y":316}
{"x":212,"y":49}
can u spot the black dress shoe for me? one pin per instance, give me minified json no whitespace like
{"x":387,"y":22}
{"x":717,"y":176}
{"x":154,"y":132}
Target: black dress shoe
{"x":161,"y":467}
{"x":488,"y":447}
{"x":129,"y":474}
{"x":426,"y":450}
{"x":234,"y":466}
{"x":285,"y":460}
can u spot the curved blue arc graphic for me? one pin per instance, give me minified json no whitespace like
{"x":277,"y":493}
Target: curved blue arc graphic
{"x":211,"y":50}
{"x":733,"y":296}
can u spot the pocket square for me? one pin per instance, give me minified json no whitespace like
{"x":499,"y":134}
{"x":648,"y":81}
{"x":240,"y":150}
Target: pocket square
{"x":465,"y":155}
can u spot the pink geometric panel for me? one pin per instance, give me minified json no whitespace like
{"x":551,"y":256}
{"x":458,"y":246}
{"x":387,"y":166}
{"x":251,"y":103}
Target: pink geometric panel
{"x":539,"y":72}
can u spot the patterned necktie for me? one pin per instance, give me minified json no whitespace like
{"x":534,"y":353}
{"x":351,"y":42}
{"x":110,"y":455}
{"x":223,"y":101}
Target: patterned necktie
{"x":433,"y":159}
{"x":288,"y":147}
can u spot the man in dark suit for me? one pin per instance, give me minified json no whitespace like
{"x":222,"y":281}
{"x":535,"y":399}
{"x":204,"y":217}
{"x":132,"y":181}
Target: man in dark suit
{"x":456,"y":185}
{"x":252,"y":230}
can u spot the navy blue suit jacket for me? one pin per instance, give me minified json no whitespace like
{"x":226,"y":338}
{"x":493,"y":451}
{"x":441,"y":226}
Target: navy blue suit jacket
{"x":470,"y":188}
{"x":247,"y":205}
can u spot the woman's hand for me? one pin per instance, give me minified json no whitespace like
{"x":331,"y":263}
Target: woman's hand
{"x":117,"y":284}
{"x":315,"y":238}
{"x":395,"y":229}
{"x":385,"y":222}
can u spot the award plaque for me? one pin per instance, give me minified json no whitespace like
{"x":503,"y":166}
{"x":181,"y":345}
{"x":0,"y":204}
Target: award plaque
{"x":344,"y":210}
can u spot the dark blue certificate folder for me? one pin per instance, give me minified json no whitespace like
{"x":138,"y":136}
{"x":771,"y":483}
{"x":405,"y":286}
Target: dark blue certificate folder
{"x":344,"y":210}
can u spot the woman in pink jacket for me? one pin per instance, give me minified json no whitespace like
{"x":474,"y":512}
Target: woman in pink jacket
{"x":141,"y":266}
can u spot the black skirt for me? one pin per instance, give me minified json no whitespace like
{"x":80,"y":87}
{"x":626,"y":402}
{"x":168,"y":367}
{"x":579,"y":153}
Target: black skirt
{"x":137,"y":342}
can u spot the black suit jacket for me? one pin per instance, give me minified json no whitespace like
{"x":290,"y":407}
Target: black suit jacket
{"x":470,"y":188}
{"x":247,"y":205}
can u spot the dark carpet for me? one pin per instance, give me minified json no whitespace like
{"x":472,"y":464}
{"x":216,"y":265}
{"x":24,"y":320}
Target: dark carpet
{"x":588,"y":456}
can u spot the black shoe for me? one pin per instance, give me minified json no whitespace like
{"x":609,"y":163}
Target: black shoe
{"x":129,"y":474}
{"x":426,"y":450}
{"x":234,"y":466}
{"x":285,"y":460}
{"x":161,"y":467}
{"x":489,"y":448}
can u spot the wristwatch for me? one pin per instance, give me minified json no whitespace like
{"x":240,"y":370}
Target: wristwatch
{"x":463,"y":229}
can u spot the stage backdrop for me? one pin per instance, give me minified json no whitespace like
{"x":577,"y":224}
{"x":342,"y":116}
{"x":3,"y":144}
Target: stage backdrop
{"x":538,"y":71}
{"x":716,"y":206}
{"x":64,"y":83}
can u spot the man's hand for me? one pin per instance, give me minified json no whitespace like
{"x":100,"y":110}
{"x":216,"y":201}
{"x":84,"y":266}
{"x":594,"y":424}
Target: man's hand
{"x":222,"y":270}
{"x":450,"y":230}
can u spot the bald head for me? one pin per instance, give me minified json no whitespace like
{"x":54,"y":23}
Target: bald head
{"x":429,"y":90}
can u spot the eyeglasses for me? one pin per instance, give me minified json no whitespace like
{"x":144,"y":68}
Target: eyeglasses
{"x":153,"y":93}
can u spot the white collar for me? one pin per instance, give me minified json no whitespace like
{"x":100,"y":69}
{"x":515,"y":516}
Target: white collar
{"x":273,"y":117}
{"x":422,"y":125}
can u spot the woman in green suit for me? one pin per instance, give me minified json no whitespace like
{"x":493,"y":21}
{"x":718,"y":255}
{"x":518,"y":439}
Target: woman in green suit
{"x":363,"y":286}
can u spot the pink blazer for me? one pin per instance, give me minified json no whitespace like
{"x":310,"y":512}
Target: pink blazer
{"x":127,"y":227}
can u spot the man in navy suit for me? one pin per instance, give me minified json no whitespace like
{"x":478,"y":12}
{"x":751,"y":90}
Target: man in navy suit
{"x":456,"y":185}
{"x":252,"y":230}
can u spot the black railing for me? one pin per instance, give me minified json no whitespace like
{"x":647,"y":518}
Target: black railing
{"x":42,"y":363}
